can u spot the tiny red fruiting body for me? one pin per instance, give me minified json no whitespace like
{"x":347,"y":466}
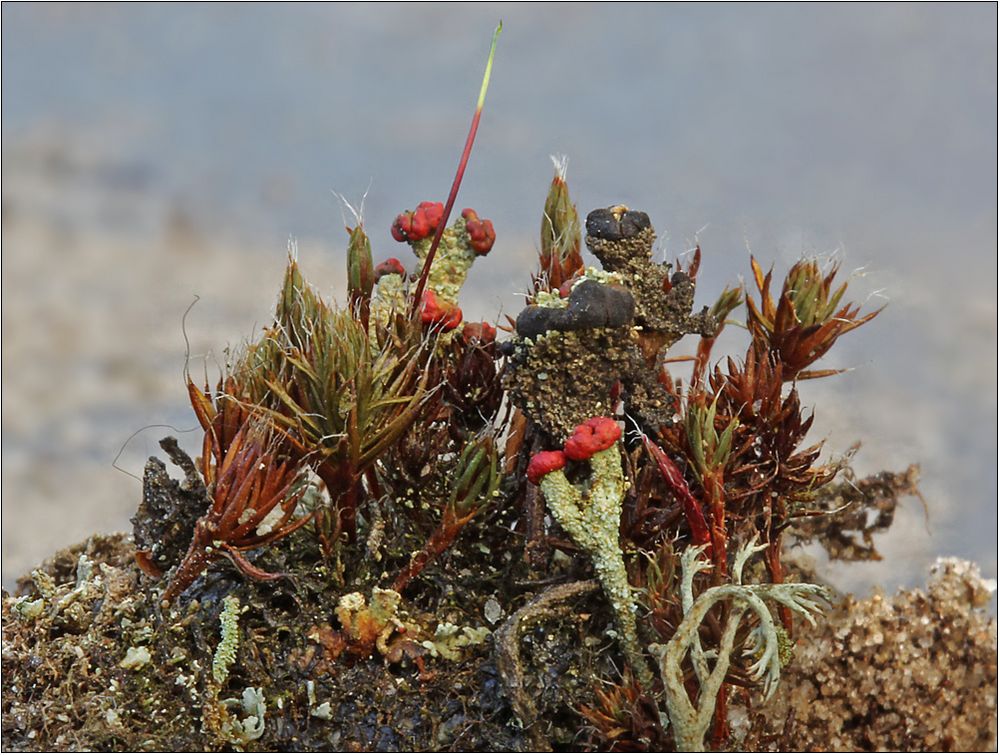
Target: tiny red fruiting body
{"x":418,"y":224}
{"x":480,"y":230}
{"x":596,"y":434}
{"x":482,"y":331}
{"x":391,"y":266}
{"x":543,"y":463}
{"x":433,"y":313}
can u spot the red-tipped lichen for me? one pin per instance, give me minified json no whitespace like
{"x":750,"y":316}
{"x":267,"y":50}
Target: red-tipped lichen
{"x":543,"y":463}
{"x":596,"y":434}
{"x":391,"y":266}
{"x":418,"y":224}
{"x":433,"y":312}
{"x":480,"y":230}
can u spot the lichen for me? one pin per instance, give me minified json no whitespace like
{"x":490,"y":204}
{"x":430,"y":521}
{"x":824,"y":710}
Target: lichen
{"x":369,"y":625}
{"x":550,"y":299}
{"x":592,"y":516}
{"x":449,"y":640}
{"x":135,"y":658}
{"x":690,"y":721}
{"x":323,"y":710}
{"x":29,"y":609}
{"x":580,"y":368}
{"x":241,"y":731}
{"x":452,"y":261}
{"x":225,"y":653}
{"x":601,"y":276}
{"x":389,"y":299}
{"x":622,"y":240}
{"x":44,"y":583}
{"x":916,"y":671}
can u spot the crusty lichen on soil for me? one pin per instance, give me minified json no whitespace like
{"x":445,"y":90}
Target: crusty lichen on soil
{"x":914,"y":672}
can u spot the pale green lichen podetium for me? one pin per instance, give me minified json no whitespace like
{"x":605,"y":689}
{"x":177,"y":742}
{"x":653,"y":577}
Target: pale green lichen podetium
{"x":592,"y":518}
{"x":389,"y":299}
{"x":452,"y":262}
{"x":225,"y":654}
{"x":690,"y":721}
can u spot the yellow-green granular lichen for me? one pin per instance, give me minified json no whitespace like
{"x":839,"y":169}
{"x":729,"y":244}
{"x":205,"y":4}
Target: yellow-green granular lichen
{"x":389,"y":299}
{"x":450,"y":639}
{"x":786,"y":645}
{"x":601,"y":276}
{"x":135,"y":658}
{"x":452,"y":261}
{"x":225,"y":653}
{"x":592,"y":516}
{"x":29,"y":609}
{"x":550,"y":299}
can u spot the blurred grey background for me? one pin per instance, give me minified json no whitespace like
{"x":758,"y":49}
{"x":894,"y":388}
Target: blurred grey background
{"x":153,"y":153}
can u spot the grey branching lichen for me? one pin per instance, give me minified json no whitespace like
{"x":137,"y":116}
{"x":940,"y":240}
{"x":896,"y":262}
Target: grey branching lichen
{"x":241,"y":731}
{"x":690,"y":721}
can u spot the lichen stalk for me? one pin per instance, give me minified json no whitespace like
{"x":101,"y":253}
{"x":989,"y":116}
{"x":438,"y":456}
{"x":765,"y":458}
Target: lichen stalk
{"x":225,"y":653}
{"x":592,"y":518}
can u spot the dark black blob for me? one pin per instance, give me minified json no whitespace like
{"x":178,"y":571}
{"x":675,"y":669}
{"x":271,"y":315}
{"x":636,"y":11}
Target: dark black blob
{"x":616,"y":223}
{"x":505,"y":348}
{"x":591,"y":305}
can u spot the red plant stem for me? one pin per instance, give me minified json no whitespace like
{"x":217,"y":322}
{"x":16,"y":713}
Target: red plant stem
{"x":720,"y":722}
{"x":342,"y":486}
{"x":717,"y":511}
{"x":441,"y":539}
{"x":776,"y":571}
{"x":240,"y":562}
{"x":421,"y":284}
{"x":466,"y":152}
{"x":194,"y":563}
